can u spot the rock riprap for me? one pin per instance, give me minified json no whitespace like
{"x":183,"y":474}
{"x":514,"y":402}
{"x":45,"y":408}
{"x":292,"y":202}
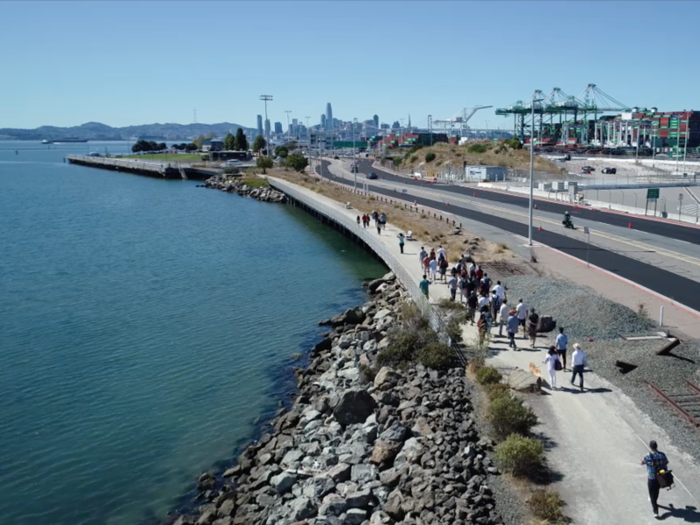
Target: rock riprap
{"x":400,"y":448}
{"x":235,"y":185}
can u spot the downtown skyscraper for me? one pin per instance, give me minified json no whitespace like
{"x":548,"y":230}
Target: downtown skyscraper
{"x":329,"y":117}
{"x":260,"y":126}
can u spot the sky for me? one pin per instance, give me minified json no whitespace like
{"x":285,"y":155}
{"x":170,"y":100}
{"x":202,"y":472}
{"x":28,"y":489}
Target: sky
{"x":125,"y":63}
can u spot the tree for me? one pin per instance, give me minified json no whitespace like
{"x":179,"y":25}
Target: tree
{"x":281,"y":151}
{"x":264,"y":163}
{"x":229,"y":142}
{"x":259,"y":144}
{"x":297,"y":162}
{"x":241,"y":142}
{"x":200,"y":140}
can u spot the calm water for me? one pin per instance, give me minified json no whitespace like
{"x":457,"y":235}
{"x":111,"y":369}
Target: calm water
{"x":144,"y":325}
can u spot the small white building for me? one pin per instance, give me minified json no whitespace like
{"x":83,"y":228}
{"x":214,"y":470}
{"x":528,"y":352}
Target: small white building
{"x":481,"y":173}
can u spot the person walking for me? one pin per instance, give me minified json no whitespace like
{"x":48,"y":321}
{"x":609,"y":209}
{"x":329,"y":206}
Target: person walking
{"x":441,"y":251}
{"x":382,"y":220}
{"x":426,"y":264}
{"x":499,"y":290}
{"x":422,"y":255}
{"x":560,"y":343}
{"x":433,"y":269}
{"x":578,"y":360}
{"x":424,"y":286}
{"x":463,"y":289}
{"x":503,"y":314}
{"x":532,"y":322}
{"x":432,"y":254}
{"x":453,"y":286}
{"x":358,"y":220}
{"x":521,"y":309}
{"x":655,"y":462}
{"x":472,"y":303}
{"x":402,"y":240}
{"x":443,"y":265}
{"x":483,"y":325}
{"x":513,"y":324}
{"x":553,"y":364}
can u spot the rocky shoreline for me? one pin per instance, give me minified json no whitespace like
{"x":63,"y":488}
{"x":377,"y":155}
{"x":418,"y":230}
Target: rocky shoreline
{"x":398,"y":446}
{"x":235,"y":185}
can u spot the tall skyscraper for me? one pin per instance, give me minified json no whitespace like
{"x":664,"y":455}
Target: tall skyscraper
{"x":295,"y":127}
{"x":329,"y":117}
{"x":278,"y":128}
{"x":260,"y":129}
{"x":267,"y":127}
{"x":324,"y":122}
{"x":376,"y":121}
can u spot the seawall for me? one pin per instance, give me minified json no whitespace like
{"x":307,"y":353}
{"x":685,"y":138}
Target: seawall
{"x":161,"y":170}
{"x":334,"y":213}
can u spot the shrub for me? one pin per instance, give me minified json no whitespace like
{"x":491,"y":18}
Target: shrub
{"x":413,"y":159}
{"x":513,"y":143}
{"x":508,"y":416}
{"x":478,"y":148}
{"x":488,"y":376}
{"x":520,"y":455}
{"x":367,"y":373}
{"x":454,"y":326}
{"x":429,"y":157}
{"x":546,"y":505}
{"x":448,"y":304}
{"x":436,"y":355}
{"x":496,"y":390}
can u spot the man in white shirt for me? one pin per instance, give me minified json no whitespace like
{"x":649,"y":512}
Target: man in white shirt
{"x":503,"y":318}
{"x":499,"y":290}
{"x":441,"y":251}
{"x":521,"y":310}
{"x":483,"y":302}
{"x":433,"y":270}
{"x":578,"y":360}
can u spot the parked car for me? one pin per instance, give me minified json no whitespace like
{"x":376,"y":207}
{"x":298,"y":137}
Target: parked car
{"x":371,"y":175}
{"x":611,"y":171}
{"x":232,"y":162}
{"x":587,"y":169}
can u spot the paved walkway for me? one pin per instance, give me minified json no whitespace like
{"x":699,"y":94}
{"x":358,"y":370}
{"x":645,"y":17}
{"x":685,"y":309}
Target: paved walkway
{"x":598,"y":437}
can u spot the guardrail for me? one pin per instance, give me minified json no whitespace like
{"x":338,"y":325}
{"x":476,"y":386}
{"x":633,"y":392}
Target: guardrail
{"x":349,"y":223}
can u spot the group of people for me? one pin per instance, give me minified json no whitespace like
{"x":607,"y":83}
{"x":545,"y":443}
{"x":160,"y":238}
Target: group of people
{"x":434,"y":264}
{"x":379,"y":219}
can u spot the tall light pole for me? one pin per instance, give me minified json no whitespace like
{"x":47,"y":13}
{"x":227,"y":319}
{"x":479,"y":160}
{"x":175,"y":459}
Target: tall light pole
{"x":532,"y":167}
{"x":678,"y":144}
{"x":266,"y":99}
{"x":288,"y":111}
{"x":354,"y":151}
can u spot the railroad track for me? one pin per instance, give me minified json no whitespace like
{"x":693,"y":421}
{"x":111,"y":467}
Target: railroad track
{"x":686,"y":403}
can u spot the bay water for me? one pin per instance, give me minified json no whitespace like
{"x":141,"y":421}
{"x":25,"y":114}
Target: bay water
{"x":144,"y":326}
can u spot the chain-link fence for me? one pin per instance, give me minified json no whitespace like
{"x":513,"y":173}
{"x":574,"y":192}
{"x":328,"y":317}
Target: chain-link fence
{"x":377,"y":246}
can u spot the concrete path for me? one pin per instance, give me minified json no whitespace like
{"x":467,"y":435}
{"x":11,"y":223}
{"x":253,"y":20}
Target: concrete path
{"x":598,"y":437}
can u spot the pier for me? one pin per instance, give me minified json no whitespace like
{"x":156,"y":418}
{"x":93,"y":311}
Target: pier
{"x":163,"y":170}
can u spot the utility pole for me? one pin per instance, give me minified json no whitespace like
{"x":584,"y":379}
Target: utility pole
{"x":354,"y":152}
{"x":532,"y":169}
{"x":288,"y":111}
{"x":685,"y":146}
{"x":266,"y":99}
{"x":678,"y":143}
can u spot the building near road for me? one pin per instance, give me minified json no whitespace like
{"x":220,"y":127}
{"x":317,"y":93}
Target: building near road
{"x":483,"y":173}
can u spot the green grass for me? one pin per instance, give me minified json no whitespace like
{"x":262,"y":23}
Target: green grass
{"x":255,"y":182}
{"x":171,"y":157}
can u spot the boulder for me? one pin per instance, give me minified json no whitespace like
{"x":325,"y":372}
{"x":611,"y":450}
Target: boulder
{"x":546,"y":324}
{"x":355,"y":516}
{"x":363,"y":473}
{"x":349,"y":316}
{"x":226,"y":508}
{"x":333,"y":505}
{"x":322,"y":346}
{"x":302,"y":508}
{"x":359,"y":499}
{"x":422,"y":428}
{"x":523,"y":381}
{"x":340,"y":472}
{"x":410,"y":453}
{"x":396,"y":432}
{"x":385,"y":451}
{"x":379,"y":517}
{"x":386,"y":376}
{"x":373,"y":285}
{"x":283,"y":482}
{"x":393,"y":505}
{"x":354,"y":406}
{"x":319,"y":487}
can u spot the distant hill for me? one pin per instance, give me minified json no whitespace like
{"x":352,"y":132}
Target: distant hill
{"x":99,"y":131}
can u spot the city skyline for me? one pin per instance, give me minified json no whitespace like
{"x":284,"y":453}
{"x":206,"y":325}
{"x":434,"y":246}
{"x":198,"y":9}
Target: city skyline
{"x":498,"y":73}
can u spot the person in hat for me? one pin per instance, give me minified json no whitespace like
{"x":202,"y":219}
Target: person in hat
{"x":655,"y":462}
{"x":578,"y":360}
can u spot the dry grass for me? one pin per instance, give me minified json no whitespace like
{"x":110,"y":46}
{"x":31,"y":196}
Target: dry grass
{"x":497,"y":155}
{"x":428,"y":230}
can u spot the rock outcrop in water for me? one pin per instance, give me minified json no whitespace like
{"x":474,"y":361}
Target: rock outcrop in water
{"x":233,"y":185}
{"x":401,"y":447}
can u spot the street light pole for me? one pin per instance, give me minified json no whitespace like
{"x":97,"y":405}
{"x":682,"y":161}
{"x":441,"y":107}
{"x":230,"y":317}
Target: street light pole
{"x":266,"y":99}
{"x":532,"y":169}
{"x":354,"y":152}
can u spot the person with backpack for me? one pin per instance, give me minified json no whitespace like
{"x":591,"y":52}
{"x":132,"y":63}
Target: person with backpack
{"x":553,"y":366}
{"x":657,"y":465}
{"x":532,"y":321}
{"x":443,"y":265}
{"x":472,"y":303}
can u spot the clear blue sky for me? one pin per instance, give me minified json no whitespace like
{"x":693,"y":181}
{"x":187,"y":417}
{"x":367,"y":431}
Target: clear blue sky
{"x":121,"y":63}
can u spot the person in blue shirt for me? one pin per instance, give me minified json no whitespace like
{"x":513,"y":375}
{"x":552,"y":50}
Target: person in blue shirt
{"x":655,"y":461}
{"x":402,"y":240}
{"x":560,"y":343}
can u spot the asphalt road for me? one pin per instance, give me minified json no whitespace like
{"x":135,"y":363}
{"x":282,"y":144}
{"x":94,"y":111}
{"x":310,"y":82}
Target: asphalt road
{"x":673,"y":231}
{"x":671,"y":285}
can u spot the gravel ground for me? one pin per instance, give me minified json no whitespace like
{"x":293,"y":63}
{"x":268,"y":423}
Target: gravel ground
{"x":597,"y":323}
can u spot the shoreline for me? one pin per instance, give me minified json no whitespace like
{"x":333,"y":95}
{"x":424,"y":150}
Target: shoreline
{"x":399,"y":446}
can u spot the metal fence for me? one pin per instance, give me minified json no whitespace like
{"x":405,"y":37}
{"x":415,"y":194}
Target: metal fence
{"x":349,"y":223}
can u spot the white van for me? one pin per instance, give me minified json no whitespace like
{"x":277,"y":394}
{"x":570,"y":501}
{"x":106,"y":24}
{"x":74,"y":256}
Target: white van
{"x":232,"y":163}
